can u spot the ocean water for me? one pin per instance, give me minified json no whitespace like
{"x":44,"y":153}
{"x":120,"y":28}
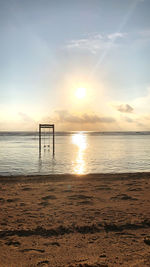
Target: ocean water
{"x":75,"y":153}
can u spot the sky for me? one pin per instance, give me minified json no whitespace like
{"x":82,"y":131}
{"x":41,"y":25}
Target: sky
{"x":51,"y":51}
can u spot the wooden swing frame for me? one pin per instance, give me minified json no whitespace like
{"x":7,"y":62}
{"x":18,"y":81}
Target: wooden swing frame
{"x":49,"y":126}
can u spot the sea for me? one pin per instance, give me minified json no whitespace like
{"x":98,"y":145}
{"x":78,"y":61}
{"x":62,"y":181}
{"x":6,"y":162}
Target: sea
{"x":75,"y":153}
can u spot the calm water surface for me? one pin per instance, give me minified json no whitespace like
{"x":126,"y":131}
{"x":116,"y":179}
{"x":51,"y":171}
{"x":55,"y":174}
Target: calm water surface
{"x":75,"y":153}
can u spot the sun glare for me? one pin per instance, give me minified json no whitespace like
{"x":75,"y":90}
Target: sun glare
{"x":80,"y":141}
{"x":80,"y":93}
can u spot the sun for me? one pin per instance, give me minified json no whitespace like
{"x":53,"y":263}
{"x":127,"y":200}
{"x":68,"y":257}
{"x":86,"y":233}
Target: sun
{"x":80,"y":93}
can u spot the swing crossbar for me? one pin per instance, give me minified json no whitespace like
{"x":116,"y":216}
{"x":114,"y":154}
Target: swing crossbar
{"x":46,"y":125}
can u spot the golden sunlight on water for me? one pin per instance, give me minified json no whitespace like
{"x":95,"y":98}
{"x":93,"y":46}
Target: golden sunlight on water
{"x":80,"y":141}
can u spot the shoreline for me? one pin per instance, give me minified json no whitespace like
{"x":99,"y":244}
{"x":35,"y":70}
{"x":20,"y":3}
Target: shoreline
{"x":63,"y":177}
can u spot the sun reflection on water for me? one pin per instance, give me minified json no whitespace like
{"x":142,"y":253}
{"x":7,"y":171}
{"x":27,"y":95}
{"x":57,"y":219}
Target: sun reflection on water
{"x":80,"y":141}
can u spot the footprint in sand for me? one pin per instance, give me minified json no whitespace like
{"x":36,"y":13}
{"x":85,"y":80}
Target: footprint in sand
{"x":2,"y":200}
{"x":13,"y":243}
{"x":89,"y":265}
{"x":85,"y":202}
{"x":49,"y":197}
{"x":51,"y":190}
{"x":32,"y":249}
{"x":44,"y":203}
{"x":82,"y":197}
{"x":26,"y":188}
{"x":12,"y":199}
{"x":123,"y":197}
{"x":107,"y":188}
{"x":52,"y":244}
{"x":43,"y":263}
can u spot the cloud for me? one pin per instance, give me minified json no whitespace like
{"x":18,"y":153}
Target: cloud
{"x":141,"y":37}
{"x":125,"y":108}
{"x":129,"y":119}
{"x":87,"y":44}
{"x":116,"y":35}
{"x":145,"y":33}
{"x":65,"y":116}
{"x":141,"y":104}
{"x":95,"y":42}
{"x":25,"y":117}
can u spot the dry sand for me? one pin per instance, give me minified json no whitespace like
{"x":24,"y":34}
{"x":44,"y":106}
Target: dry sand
{"x":64,"y":220}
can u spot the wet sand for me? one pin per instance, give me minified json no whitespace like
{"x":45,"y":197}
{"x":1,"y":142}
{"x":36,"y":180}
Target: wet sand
{"x":67,"y":220}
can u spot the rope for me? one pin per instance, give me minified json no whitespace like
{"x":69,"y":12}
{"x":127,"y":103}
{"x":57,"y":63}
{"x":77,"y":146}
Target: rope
{"x":49,"y":139}
{"x":46,"y":135}
{"x":44,"y":138}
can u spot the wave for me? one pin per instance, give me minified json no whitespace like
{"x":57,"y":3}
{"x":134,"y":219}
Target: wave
{"x":65,"y":133}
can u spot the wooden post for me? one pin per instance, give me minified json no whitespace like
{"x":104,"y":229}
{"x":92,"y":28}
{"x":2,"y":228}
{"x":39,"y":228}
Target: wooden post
{"x":39,"y":137}
{"x":53,"y":140}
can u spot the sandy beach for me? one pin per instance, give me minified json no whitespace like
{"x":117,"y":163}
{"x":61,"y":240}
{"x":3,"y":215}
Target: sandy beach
{"x":67,"y":220}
